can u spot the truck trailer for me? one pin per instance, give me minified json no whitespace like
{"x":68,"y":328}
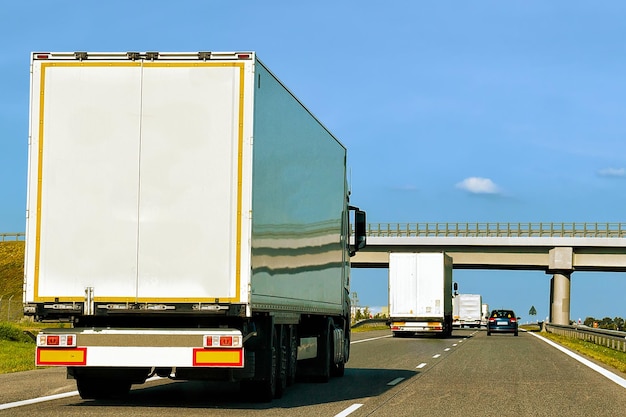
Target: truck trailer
{"x":189,"y":218}
{"x":420,"y":293}
{"x":468,"y":310}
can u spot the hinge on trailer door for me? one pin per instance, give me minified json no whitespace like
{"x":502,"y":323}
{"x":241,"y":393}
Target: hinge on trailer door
{"x":133,"y":56}
{"x":80,"y":55}
{"x":204,"y":55}
{"x":152,"y":55}
{"x":88,"y":310}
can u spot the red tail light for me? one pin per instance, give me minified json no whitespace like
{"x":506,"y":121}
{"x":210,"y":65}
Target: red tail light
{"x":513,"y":320}
{"x":492,"y":319}
{"x":226,"y":341}
{"x":53,"y":340}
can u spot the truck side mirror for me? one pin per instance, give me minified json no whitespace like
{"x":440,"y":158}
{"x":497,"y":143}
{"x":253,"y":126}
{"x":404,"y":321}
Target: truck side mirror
{"x":360,"y":234}
{"x":360,"y":229}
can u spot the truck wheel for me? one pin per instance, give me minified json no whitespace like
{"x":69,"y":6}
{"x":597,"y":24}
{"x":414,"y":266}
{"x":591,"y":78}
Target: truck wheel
{"x":338,"y":369}
{"x":263,"y":387}
{"x":325,"y":352}
{"x":88,"y":389}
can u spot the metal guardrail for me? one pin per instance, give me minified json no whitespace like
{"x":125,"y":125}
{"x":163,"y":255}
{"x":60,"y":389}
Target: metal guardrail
{"x":370,"y":322}
{"x":12,"y":236}
{"x":575,"y":230}
{"x":612,"y":339}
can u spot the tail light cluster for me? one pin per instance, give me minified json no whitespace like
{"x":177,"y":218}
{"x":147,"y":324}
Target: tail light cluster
{"x":223,"y":341}
{"x":56,"y":340}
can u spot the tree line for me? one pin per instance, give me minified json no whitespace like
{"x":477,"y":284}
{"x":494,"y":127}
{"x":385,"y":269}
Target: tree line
{"x":365,"y":313}
{"x":607,"y":323}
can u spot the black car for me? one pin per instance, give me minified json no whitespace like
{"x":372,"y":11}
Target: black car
{"x":502,"y":321}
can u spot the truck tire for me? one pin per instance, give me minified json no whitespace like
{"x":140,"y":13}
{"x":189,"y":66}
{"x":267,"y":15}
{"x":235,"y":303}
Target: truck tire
{"x":262,"y":388}
{"x":339,"y":369}
{"x":324,"y":352}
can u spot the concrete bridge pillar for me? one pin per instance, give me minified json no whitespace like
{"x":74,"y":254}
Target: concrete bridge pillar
{"x":561,"y":266}
{"x":559,"y":298}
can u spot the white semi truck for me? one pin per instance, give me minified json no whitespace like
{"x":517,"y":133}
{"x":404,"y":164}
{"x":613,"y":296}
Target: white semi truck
{"x":468,"y":310}
{"x":420,"y":293}
{"x":190,"y":218}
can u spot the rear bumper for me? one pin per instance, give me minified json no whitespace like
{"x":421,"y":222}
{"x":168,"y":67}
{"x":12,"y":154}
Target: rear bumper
{"x":418,"y":326}
{"x":496,"y":329}
{"x":139,"y":348}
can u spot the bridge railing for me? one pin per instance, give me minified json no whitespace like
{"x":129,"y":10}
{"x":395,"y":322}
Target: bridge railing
{"x":11,"y":236}
{"x":583,"y":230}
{"x":478,"y":229}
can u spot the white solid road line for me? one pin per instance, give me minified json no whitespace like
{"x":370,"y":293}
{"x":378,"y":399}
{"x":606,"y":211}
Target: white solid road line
{"x":6,"y":406}
{"x":608,"y":374}
{"x":37,"y":400}
{"x":369,"y":340}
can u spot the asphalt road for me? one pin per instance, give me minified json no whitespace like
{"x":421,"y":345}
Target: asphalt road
{"x":468,"y":374}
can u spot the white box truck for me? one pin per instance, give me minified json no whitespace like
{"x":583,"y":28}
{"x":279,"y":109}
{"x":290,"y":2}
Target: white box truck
{"x":420,"y":293}
{"x":468,"y":310}
{"x":190,"y":218}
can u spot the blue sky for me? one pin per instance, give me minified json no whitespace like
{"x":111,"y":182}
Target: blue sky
{"x":451,"y":111}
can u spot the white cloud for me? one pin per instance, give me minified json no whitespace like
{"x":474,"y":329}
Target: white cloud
{"x":477,"y":185}
{"x":612,"y":172}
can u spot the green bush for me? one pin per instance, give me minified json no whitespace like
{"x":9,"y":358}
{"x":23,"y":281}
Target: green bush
{"x":13,"y":333}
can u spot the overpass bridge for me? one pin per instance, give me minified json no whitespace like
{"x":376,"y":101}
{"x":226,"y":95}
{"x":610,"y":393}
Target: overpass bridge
{"x":558,"y":249}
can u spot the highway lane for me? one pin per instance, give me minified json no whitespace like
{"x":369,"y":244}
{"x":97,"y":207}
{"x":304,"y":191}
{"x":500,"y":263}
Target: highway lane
{"x":467,"y":374}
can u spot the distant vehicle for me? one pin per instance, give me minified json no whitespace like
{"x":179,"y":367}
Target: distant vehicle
{"x":502,"y":321}
{"x":467,"y":310}
{"x":420,"y":293}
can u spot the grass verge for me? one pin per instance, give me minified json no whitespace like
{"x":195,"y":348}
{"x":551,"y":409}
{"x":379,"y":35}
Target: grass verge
{"x":17,"y":351}
{"x":613,"y":358}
